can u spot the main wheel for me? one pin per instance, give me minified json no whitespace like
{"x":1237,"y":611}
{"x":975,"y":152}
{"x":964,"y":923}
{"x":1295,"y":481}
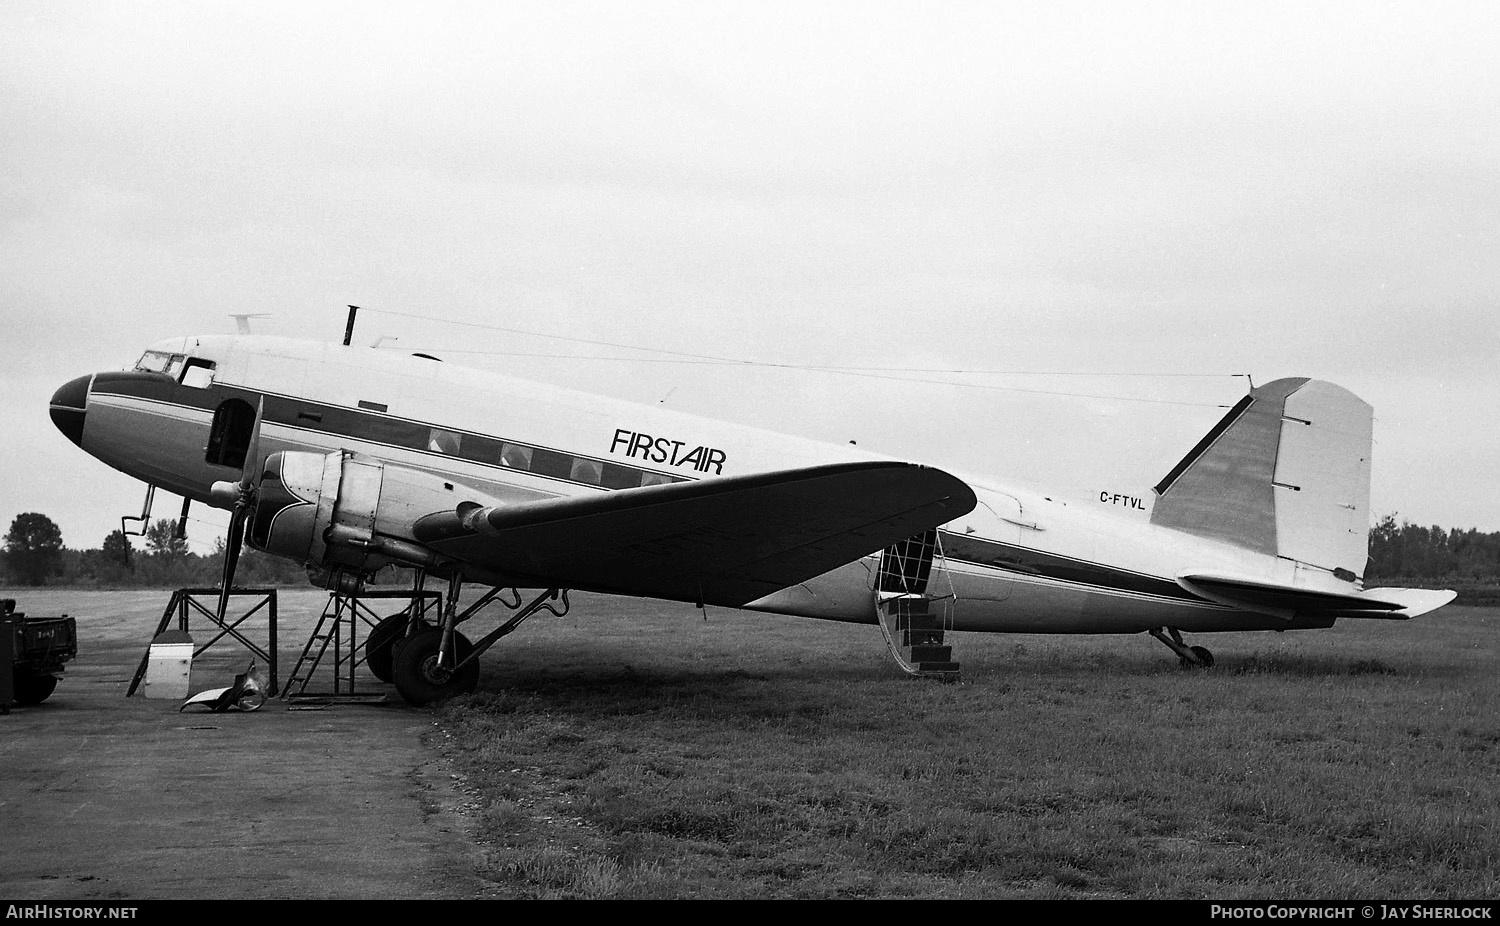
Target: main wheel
{"x":380,"y":645}
{"x":1205,"y":658}
{"x":418,"y":677}
{"x":33,"y":689}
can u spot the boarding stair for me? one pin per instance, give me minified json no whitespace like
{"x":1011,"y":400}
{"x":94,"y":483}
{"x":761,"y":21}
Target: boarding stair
{"x":915,"y":617}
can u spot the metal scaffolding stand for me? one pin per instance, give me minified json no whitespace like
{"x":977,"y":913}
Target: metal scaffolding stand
{"x":339,"y":627}
{"x":186,"y":600}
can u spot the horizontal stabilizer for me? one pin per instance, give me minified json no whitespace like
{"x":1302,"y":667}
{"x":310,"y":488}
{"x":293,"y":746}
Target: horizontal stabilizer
{"x":721,"y":541}
{"x":1290,"y":601}
{"x":1415,"y":601}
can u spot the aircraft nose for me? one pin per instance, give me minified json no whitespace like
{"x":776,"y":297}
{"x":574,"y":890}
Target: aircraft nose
{"x":69,"y":404}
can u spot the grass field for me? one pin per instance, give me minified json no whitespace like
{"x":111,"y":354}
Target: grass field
{"x":635,"y":749}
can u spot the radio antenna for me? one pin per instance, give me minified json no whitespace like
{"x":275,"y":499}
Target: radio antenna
{"x":349,"y":326}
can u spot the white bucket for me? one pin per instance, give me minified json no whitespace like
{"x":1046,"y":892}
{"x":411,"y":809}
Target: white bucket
{"x":169,"y":666}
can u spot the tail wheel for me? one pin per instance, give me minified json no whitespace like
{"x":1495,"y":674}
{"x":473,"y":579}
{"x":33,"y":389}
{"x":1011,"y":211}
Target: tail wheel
{"x":380,"y":645}
{"x":1201,"y":658}
{"x":421,"y":680}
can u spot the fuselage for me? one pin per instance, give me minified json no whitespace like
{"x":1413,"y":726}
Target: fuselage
{"x":1020,"y":561}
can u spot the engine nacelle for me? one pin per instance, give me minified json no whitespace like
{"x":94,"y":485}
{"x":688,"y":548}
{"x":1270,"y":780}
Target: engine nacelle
{"x":344,"y":514}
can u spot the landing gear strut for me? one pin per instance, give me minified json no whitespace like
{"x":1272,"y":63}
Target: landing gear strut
{"x":428,"y":663}
{"x":1191,"y":657}
{"x":431,"y":663}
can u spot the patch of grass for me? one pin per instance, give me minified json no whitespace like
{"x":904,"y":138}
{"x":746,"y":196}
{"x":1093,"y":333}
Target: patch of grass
{"x":639,"y":751}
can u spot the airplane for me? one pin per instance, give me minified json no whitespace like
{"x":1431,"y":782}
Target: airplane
{"x":350,"y":459}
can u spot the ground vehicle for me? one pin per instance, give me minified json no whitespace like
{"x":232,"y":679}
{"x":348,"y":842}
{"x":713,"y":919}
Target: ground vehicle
{"x":32,"y":654}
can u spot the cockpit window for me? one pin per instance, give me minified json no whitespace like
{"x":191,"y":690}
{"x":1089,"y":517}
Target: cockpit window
{"x":198,"y":374}
{"x":190,"y":371}
{"x":156,"y":361}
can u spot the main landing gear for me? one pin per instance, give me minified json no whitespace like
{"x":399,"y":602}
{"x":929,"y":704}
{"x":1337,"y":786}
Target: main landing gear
{"x":422,"y":672}
{"x":1192,"y":657}
{"x":429,"y":662}
{"x":381,"y":643}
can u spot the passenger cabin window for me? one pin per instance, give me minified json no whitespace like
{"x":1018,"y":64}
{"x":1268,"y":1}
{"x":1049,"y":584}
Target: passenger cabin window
{"x":551,"y":463}
{"x":229,"y":435}
{"x":615,"y":476}
{"x":589,"y":471}
{"x":515,"y":456}
{"x":440,"y":441}
{"x":199,"y":374}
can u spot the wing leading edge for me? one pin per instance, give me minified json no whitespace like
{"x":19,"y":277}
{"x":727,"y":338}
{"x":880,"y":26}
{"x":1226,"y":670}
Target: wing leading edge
{"x":719,"y":541}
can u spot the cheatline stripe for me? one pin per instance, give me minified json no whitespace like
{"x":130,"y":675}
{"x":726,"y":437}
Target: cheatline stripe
{"x":1025,"y":562}
{"x":376,"y":428}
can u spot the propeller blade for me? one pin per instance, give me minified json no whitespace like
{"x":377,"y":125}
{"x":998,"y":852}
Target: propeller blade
{"x":242,"y":505}
{"x":232,"y":555}
{"x":252,"y":453}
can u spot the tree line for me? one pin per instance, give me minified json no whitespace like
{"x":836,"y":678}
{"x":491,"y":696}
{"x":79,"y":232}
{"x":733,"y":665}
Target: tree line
{"x":1467,"y":561}
{"x":32,"y":553}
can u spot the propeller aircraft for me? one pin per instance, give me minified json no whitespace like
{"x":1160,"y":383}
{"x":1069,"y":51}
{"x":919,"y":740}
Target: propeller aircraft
{"x":350,"y":459}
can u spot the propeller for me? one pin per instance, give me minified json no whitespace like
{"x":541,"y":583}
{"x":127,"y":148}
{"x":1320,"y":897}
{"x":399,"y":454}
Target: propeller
{"x":243,"y":494}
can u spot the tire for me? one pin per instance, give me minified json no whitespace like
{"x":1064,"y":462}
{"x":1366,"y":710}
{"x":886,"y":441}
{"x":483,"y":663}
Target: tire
{"x":416,"y":675}
{"x":1205,"y":658}
{"x":380,"y":645}
{"x":33,"y":689}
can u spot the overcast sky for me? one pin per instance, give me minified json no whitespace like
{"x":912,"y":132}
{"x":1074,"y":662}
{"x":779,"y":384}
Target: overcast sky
{"x":1025,"y":192}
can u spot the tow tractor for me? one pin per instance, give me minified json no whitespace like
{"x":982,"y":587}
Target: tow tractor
{"x":32,"y":654}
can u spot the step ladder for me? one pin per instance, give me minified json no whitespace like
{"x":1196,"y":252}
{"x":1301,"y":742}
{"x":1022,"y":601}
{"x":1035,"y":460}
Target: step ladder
{"x":339,"y":628}
{"x":915,"y":620}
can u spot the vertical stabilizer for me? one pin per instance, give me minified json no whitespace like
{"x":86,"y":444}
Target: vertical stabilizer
{"x":1285,"y":473}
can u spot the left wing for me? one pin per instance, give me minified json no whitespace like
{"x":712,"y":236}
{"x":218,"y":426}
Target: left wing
{"x":721,"y":541}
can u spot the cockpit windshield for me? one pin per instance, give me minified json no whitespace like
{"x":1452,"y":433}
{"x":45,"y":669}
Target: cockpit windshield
{"x":157,"y":361}
{"x":190,"y":371}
